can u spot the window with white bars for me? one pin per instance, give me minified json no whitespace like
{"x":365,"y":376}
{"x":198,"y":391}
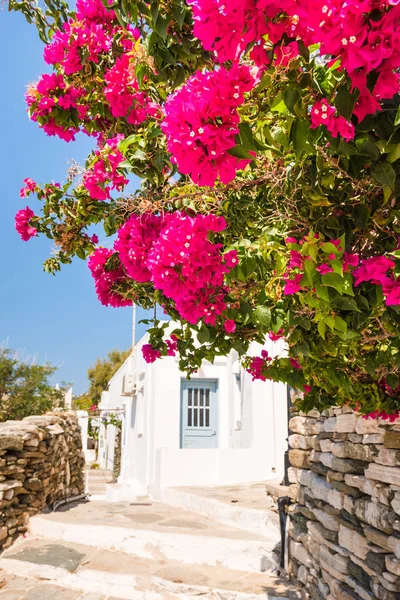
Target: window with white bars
{"x":198,"y":407}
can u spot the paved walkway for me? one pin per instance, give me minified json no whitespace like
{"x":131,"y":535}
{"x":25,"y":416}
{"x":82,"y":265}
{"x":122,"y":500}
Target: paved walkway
{"x":22,"y":588}
{"x":142,"y":550}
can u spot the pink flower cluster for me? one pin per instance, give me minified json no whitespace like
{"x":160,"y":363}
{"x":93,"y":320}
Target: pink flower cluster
{"x":150,"y":354}
{"x":123,"y":95}
{"x":22,"y":218}
{"x":322,"y":113}
{"x":258,"y":366}
{"x":177,"y":256}
{"x":107,"y":278}
{"x":363,"y":34}
{"x":56,"y":106}
{"x":104,"y":174}
{"x":78,"y":42}
{"x":188,"y":268}
{"x":30,"y":186}
{"x":135,"y":240}
{"x":379,"y":270}
{"x":391,"y":417}
{"x":201,"y":122}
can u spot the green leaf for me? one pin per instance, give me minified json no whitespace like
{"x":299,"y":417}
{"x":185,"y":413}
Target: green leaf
{"x":385,"y":174}
{"x":309,"y":266}
{"x":299,"y":134}
{"x":246,"y":136}
{"x":329,"y":248}
{"x":345,"y":101}
{"x":322,"y":329}
{"x":322,"y":291}
{"x":367,"y":146}
{"x":240,"y":152}
{"x":346,"y":304}
{"x":333,"y":280}
{"x":340,"y":324}
{"x":204,"y":334}
{"x":262,"y":315}
{"x":291,"y":97}
{"x":248,"y":266}
{"x":278,"y":104}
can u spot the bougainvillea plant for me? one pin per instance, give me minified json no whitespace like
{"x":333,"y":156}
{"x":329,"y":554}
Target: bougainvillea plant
{"x":267,"y":139}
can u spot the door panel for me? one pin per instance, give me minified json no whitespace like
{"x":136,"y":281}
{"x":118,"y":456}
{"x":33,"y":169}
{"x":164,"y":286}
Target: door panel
{"x":198,"y":414}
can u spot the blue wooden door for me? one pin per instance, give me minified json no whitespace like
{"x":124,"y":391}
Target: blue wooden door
{"x":199,"y":414}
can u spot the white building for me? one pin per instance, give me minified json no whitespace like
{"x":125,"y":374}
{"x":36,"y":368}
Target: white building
{"x":217,"y":428}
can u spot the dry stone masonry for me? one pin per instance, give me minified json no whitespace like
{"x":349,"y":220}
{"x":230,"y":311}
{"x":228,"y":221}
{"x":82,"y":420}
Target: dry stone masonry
{"x":345,"y":520}
{"x":41,"y":461}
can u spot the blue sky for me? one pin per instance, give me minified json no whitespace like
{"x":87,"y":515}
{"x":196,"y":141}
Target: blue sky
{"x":59,"y":318}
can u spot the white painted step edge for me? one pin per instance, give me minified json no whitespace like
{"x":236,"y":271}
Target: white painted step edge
{"x":253,"y":556}
{"x":119,"y":585}
{"x":263,"y":522}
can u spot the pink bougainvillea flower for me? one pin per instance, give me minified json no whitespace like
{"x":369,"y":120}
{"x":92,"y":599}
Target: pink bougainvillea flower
{"x":295,"y":363}
{"x":108,"y":279}
{"x":292,"y":286}
{"x":30,"y":186}
{"x":134,"y":242}
{"x":350,"y":260}
{"x":150,"y":354}
{"x":274,"y":337}
{"x":230,"y":326}
{"x":201,"y":122}
{"x":22,"y":218}
{"x":324,"y":268}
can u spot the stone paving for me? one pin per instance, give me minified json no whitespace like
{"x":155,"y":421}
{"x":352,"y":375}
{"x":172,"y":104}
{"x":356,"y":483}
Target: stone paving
{"x":142,"y":550}
{"x":250,"y":495}
{"x":23,"y":588}
{"x":145,"y":514}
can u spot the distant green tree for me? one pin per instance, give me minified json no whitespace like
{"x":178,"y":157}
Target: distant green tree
{"x":100,"y":374}
{"x":82,"y":402}
{"x":25,"y":388}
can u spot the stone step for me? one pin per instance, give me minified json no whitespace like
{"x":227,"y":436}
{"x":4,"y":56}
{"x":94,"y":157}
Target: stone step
{"x":110,"y":573}
{"x":194,"y":548}
{"x":261,"y":521}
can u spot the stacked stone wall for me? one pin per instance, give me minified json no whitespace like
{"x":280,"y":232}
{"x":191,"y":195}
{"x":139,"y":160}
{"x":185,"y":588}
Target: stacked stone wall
{"x":41,"y":461}
{"x":344,"y":532}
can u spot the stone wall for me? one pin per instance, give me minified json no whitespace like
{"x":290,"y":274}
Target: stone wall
{"x":345,"y":520}
{"x":41,"y":461}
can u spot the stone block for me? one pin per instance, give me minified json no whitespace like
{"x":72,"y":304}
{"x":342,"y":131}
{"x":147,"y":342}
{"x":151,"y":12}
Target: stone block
{"x":354,"y":541}
{"x":392,"y":564}
{"x":383,"y":473}
{"x":373,"y":438}
{"x":376,"y":514}
{"x":325,"y":445}
{"x":391,"y":439}
{"x":298,"y":551}
{"x":367,"y":486}
{"x":299,"y":441}
{"x":305,"y":425}
{"x":377,"y":537}
{"x":330,"y":425}
{"x":335,"y":564}
{"x":388,"y":456}
{"x":346,"y":423}
{"x":300,"y":459}
{"x":364,"y":426}
{"x":328,"y":521}
{"x":394,"y":545}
